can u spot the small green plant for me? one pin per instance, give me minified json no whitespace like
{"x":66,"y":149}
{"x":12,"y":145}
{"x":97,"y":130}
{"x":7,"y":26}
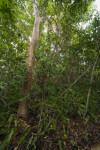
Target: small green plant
{"x":60,"y":145}
{"x":81,"y":110}
{"x":29,"y":142}
{"x":85,"y":136}
{"x":72,"y":142}
{"x":10,"y":120}
{"x":94,"y":117}
{"x":22,"y":140}
{"x":7,"y":140}
{"x":66,"y":132}
{"x":86,"y":120}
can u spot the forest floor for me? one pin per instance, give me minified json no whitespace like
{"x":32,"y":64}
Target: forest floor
{"x":78,"y":135}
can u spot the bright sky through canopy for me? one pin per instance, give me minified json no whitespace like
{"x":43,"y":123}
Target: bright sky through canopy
{"x":97,"y":3}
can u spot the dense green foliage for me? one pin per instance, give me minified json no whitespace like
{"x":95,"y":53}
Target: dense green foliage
{"x":63,"y":61}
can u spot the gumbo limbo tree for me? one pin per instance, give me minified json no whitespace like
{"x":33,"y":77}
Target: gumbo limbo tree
{"x":23,"y":105}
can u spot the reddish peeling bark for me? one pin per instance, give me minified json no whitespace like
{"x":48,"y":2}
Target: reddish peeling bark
{"x":23,"y":105}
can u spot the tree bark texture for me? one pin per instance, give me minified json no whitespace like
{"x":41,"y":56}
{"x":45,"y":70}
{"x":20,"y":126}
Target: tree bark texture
{"x":26,"y":90}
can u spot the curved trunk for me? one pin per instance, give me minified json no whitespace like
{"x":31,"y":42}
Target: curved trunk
{"x":23,"y":105}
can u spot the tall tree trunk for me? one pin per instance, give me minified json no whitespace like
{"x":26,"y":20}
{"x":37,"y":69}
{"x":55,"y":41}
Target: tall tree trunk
{"x":89,"y":90}
{"x":24,"y":104}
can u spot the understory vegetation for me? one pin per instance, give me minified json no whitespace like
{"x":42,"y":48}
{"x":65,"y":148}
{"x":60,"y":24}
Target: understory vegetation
{"x":64,"y":102}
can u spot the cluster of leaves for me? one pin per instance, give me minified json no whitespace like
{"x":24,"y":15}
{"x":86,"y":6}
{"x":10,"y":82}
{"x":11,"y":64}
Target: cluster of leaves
{"x":12,"y":58}
{"x":63,"y":55}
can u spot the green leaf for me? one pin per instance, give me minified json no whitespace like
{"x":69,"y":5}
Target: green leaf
{"x":30,"y":141}
{"x":22,"y":140}
{"x":10,"y":120}
{"x":60,"y":145}
{"x":72,"y":142}
{"x":7,"y":140}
